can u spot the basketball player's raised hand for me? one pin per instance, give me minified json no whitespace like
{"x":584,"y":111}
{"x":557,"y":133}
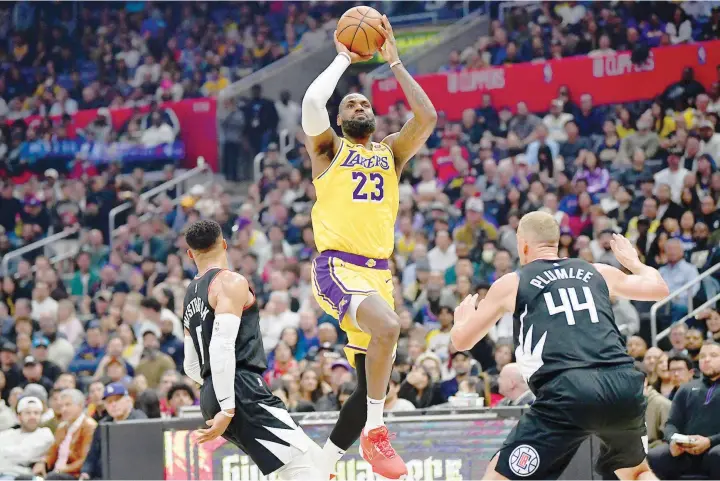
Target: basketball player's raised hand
{"x":625,"y":252}
{"x":354,"y":57}
{"x":465,"y":310}
{"x":389,"y":49}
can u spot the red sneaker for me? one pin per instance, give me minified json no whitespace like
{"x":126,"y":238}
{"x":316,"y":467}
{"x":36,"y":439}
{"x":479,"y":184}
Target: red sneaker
{"x":375,"y":448}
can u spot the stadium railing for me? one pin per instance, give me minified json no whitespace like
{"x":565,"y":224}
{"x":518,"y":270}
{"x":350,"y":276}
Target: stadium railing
{"x":180,"y":181}
{"x":286,"y":144}
{"x":42,"y":243}
{"x":654,"y":335}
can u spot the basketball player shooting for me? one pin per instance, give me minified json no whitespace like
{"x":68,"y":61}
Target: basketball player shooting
{"x":571,"y":353}
{"x":356,"y":182}
{"x":224,"y":353}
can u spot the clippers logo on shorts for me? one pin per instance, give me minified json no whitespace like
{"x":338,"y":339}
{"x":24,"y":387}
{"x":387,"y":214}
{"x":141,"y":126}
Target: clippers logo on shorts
{"x":524,"y":460}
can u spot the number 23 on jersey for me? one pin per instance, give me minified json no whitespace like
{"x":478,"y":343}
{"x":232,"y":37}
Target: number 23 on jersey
{"x":368,"y":187}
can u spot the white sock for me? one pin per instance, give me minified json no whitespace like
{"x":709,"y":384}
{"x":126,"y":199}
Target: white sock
{"x":332,"y":454}
{"x":374,"y":413}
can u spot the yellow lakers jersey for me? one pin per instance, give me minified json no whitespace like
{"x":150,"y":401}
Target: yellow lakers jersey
{"x":357,"y":201}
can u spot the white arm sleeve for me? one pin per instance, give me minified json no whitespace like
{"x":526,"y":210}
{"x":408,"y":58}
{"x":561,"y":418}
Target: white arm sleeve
{"x":191,"y":363}
{"x":315,"y":118}
{"x":222,"y":358}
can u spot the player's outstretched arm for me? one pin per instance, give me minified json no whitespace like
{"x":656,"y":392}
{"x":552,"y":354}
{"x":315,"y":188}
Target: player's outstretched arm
{"x":474,"y":320}
{"x":231,"y":293}
{"x":644,"y":284}
{"x":406,"y":143}
{"x":322,"y":142}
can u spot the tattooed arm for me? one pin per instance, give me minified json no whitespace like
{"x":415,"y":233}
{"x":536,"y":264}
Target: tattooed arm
{"x":406,"y":143}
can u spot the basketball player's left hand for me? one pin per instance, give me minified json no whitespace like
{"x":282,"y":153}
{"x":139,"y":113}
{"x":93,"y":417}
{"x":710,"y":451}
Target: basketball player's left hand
{"x":217,"y":427}
{"x":698,"y":447}
{"x":466,"y":309}
{"x":389,"y":50}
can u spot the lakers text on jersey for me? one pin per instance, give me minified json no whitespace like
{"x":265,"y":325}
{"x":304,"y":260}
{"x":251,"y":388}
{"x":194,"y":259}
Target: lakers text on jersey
{"x":357,"y":202}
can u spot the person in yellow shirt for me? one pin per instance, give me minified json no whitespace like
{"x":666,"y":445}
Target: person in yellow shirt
{"x":215,"y":83}
{"x":475,"y":227}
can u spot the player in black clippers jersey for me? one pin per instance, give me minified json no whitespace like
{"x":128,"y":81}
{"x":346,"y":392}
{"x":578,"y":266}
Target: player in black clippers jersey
{"x":224,"y":353}
{"x":571,"y":354}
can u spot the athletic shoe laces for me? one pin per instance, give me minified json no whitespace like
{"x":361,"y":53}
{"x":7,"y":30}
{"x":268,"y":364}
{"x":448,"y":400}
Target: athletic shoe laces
{"x":380,"y":437}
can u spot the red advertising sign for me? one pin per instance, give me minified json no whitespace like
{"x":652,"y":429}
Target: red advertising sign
{"x":197,"y":126}
{"x":609,"y":79}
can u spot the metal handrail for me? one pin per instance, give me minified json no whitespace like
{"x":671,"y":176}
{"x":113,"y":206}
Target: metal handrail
{"x":5,"y":265}
{"x":689,"y":315}
{"x":655,"y":307}
{"x":202,"y":166}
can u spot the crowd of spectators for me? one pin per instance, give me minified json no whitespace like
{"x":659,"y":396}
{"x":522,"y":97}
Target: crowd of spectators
{"x":100,"y":341}
{"x":555,"y":30}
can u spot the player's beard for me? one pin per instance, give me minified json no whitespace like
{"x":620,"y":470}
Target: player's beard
{"x":358,"y":128}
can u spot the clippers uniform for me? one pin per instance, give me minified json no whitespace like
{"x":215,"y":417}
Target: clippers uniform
{"x":261,"y":427}
{"x":574,"y":359}
{"x":353,"y":222}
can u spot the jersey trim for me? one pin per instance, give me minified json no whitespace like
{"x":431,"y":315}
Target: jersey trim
{"x":337,"y":155}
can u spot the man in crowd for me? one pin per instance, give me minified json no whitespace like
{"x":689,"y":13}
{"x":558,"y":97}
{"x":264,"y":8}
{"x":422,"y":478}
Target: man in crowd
{"x":513,"y":387}
{"x":676,"y":273}
{"x":119,"y":407}
{"x":693,"y":428}
{"x":72,"y":439}
{"x":22,"y":447}
{"x":681,"y":371}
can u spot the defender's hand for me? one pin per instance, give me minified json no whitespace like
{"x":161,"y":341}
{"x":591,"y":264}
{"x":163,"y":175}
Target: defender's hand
{"x":354,"y":57}
{"x":625,"y":252}
{"x":389,"y":49}
{"x":218,"y":425}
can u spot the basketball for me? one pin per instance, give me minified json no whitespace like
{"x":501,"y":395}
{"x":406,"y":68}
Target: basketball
{"x":359,"y":30}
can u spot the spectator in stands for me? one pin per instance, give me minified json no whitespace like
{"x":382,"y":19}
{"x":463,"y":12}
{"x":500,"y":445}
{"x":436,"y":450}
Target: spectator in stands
{"x":674,"y":176}
{"x":541,"y":141}
{"x":73,"y":437}
{"x":22,"y":447}
{"x":419,"y":388}
{"x":119,"y":407}
{"x":393,"y":403}
{"x":179,"y":396}
{"x":513,"y":387}
{"x":555,"y":121}
{"x":153,"y":362}
{"x":589,"y":120}
{"x":694,"y":414}
{"x":681,"y":371}
{"x":678,"y":272}
{"x":524,"y":123}
{"x":460,"y":362}
{"x":261,"y":120}
{"x":158,"y":133}
{"x":657,"y":412}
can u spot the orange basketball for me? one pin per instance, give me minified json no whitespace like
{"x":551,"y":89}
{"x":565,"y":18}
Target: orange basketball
{"x":359,"y":30}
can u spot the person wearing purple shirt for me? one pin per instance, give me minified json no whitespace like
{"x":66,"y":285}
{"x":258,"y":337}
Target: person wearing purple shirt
{"x":597,"y":177}
{"x":652,"y":31}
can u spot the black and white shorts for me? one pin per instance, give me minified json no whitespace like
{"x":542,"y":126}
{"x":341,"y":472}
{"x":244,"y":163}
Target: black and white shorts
{"x":262,"y":426}
{"x":607,"y":402}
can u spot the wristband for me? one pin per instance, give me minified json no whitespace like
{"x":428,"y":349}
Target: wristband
{"x":396,"y":62}
{"x":227,"y":414}
{"x":346,"y":55}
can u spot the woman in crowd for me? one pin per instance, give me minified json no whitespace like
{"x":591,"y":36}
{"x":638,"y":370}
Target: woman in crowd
{"x":310,"y":389}
{"x":419,"y":389}
{"x":663,"y":383}
{"x":9,"y":294}
{"x":608,"y":148}
{"x":582,"y":219}
{"x":656,"y":253}
{"x":596,"y":175}
{"x":687,"y":222}
{"x":132,"y":350}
